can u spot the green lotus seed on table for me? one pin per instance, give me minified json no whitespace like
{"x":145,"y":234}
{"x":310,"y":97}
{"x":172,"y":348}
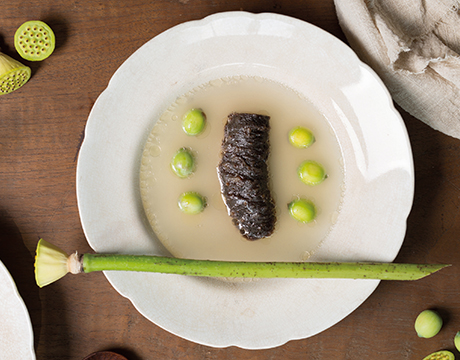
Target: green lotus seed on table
{"x":428,"y":324}
{"x":191,"y":203}
{"x":440,"y":355}
{"x":13,"y":74}
{"x":34,"y":40}
{"x":311,"y":173}
{"x":193,"y":122}
{"x":302,"y":210}
{"x":301,"y":137}
{"x":183,"y":163}
{"x":457,"y":341}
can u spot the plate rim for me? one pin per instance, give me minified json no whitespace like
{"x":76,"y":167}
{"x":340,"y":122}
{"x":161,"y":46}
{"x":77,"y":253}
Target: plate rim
{"x":27,"y":340}
{"x":113,"y":278}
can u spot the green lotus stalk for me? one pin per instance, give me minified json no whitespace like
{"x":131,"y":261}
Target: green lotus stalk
{"x":47,"y":271}
{"x":13,"y":74}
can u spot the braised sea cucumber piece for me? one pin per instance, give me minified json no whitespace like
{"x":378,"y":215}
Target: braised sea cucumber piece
{"x":244,"y":176}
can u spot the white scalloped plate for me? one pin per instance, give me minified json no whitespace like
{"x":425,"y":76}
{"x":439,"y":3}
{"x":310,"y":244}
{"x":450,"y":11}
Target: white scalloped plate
{"x":16,"y":334}
{"x":379,"y":179}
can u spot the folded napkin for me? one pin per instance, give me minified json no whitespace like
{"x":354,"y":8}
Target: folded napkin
{"x":414,"y":47}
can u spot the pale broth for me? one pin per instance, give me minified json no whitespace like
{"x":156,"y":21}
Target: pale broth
{"x":211,"y":234}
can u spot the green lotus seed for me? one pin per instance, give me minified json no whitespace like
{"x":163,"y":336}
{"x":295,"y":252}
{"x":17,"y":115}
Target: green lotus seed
{"x":440,"y":355}
{"x":13,"y":74}
{"x":428,"y":324}
{"x":34,"y":40}
{"x":311,"y":172}
{"x":191,"y":203}
{"x":457,"y":341}
{"x":302,"y":210}
{"x":183,"y":163}
{"x":301,"y":137}
{"x":193,"y":122}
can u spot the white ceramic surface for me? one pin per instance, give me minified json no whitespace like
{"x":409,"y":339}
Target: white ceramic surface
{"x":16,"y":334}
{"x":379,"y":179}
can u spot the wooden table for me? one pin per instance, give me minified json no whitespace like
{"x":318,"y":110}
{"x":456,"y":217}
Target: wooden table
{"x":41,"y":130}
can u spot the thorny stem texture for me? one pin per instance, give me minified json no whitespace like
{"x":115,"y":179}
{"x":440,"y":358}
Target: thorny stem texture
{"x":344,"y":270}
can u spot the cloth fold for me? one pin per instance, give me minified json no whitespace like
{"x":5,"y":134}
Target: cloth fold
{"x":414,"y":46}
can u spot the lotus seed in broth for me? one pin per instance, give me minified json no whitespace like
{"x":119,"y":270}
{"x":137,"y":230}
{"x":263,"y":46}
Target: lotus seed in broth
{"x":211,"y":234}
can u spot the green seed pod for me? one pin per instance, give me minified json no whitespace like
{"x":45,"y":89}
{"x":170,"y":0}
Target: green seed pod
{"x":428,"y":324}
{"x":13,"y":74}
{"x":311,"y":173}
{"x":183,"y":163}
{"x":191,"y":203}
{"x":34,"y":40}
{"x":193,"y":122}
{"x":302,"y":210}
{"x":440,"y":355}
{"x":301,"y":137}
{"x":457,"y":341}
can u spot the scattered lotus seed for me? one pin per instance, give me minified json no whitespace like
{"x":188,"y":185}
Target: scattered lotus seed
{"x":428,"y":324}
{"x":193,"y":122}
{"x":191,"y":203}
{"x":27,"y":32}
{"x":311,"y":173}
{"x":301,"y":137}
{"x":457,"y":341}
{"x":183,"y":163}
{"x":302,"y":210}
{"x":440,"y":355}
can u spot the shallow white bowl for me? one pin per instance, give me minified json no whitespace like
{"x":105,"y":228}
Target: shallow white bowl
{"x":379,"y":179}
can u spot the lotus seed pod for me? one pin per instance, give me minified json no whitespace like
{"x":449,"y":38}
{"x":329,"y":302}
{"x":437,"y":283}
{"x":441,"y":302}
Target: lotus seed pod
{"x":13,"y":74}
{"x":428,"y":324}
{"x":311,"y":173}
{"x":440,"y":355}
{"x":457,"y":341}
{"x":191,"y":203}
{"x":50,"y":263}
{"x":302,"y":210}
{"x":34,"y":40}
{"x":193,"y":122}
{"x":183,"y":163}
{"x":301,"y":137}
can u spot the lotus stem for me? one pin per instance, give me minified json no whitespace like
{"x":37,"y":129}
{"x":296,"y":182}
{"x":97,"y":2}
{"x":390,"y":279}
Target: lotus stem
{"x":145,"y":263}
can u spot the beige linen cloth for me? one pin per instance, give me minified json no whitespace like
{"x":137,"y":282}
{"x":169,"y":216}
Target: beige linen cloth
{"x":414,"y":46}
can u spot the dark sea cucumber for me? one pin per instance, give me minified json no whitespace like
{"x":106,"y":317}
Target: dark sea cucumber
{"x":244,"y":175}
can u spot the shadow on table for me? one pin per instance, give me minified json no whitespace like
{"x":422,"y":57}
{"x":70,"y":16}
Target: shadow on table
{"x":428,"y":196}
{"x":128,"y":354}
{"x":60,"y":28}
{"x":20,"y":263}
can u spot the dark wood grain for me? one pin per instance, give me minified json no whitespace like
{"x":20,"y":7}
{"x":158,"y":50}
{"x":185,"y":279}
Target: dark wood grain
{"x":41,"y":130}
